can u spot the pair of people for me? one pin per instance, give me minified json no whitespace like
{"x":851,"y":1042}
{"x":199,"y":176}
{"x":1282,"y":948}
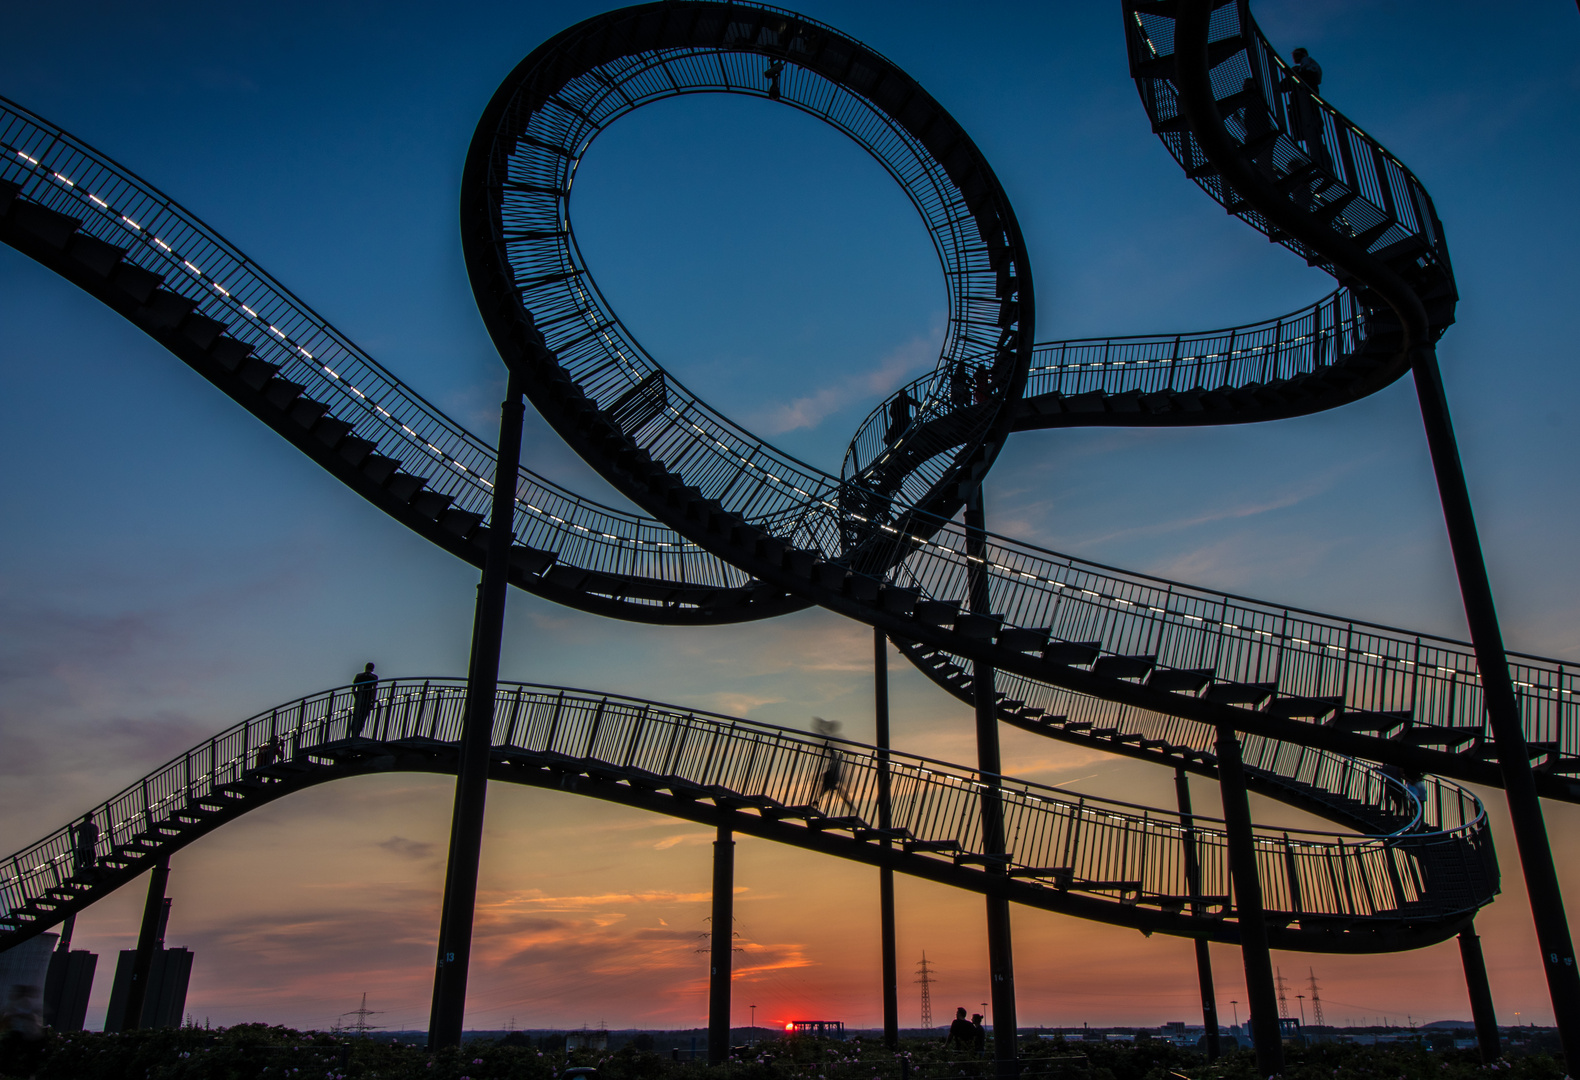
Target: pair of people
{"x":966,"y":1034}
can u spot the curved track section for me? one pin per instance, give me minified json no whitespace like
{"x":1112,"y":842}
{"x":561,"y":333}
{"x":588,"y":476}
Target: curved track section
{"x":868,"y":544}
{"x":118,"y":238}
{"x":1351,"y":687}
{"x":1093,"y":858}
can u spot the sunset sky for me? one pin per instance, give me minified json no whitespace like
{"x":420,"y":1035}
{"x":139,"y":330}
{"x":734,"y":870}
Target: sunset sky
{"x":169,"y":566}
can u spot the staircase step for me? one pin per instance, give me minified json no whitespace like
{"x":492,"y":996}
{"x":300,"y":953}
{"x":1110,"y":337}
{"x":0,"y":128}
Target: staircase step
{"x":1071,"y":653}
{"x":978,"y":627}
{"x":1369,"y":720}
{"x":1237,"y":693}
{"x":95,"y":254}
{"x":164,"y":310}
{"x":1022,"y":639}
{"x":430,"y":504}
{"x":1123,"y":667}
{"x":937,"y":612}
{"x":1179,"y":680}
{"x":1434,"y":735}
{"x":931,"y":845}
{"x":50,"y":226}
{"x":1293,"y":707}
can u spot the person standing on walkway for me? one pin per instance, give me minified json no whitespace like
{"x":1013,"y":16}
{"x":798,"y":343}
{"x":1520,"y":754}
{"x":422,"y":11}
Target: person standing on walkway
{"x":363,"y":688}
{"x":85,"y":845}
{"x":1305,"y":79}
{"x":832,"y":779}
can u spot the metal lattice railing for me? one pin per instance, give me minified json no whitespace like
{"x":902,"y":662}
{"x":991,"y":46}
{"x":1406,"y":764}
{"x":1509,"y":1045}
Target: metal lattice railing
{"x":61,"y":173}
{"x":1297,"y":139}
{"x":1103,"y":847}
{"x":1284,"y":348}
{"x":544,"y":141}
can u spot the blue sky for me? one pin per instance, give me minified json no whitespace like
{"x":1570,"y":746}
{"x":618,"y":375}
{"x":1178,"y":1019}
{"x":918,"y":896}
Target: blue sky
{"x":168,"y":566}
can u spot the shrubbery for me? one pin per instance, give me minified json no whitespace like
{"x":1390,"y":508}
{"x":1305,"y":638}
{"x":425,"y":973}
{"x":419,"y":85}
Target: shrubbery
{"x":257,"y":1052}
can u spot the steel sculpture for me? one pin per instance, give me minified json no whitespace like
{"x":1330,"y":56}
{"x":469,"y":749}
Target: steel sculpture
{"x":1190,"y":678}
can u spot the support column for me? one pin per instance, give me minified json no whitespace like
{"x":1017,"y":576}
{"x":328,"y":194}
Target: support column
{"x":1262,"y":997}
{"x":723,"y":947}
{"x":149,"y":938}
{"x":477,"y":729}
{"x":1209,"y":994}
{"x":1503,"y":710}
{"x":1001,"y":957}
{"x":1480,"y":997}
{"x":891,"y":980}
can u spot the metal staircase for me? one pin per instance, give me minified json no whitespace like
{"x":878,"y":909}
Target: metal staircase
{"x":1097,"y":858}
{"x":739,"y":530}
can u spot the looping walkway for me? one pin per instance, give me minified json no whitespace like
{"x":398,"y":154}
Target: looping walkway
{"x":740,"y":530}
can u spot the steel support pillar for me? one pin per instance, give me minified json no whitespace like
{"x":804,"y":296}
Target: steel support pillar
{"x":477,"y":729}
{"x":1001,"y":956}
{"x":1266,"y":1034}
{"x":1209,"y":994}
{"x":891,"y":979}
{"x":723,"y":947}
{"x":149,"y":938}
{"x":1503,"y":709}
{"x":1481,"y":1010}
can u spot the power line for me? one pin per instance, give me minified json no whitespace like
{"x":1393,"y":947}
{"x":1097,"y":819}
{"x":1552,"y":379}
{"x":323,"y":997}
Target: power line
{"x":926,"y":982}
{"x":362,"y":1027}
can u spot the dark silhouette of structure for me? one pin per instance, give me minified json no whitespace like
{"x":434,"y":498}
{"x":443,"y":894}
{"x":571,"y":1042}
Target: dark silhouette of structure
{"x":735,"y":530}
{"x":150,"y":987}
{"x":68,"y":982}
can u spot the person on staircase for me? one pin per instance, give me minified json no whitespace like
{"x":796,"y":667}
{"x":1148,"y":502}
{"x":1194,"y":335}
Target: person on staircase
{"x":833,"y":774}
{"x":85,"y":846}
{"x":1303,"y":82}
{"x":899,"y":416}
{"x":363,"y":687}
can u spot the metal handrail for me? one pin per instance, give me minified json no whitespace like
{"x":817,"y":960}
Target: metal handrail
{"x":1299,"y":343}
{"x":703,"y":448}
{"x":115,"y":205}
{"x":1294,"y":135}
{"x":1060,"y":839}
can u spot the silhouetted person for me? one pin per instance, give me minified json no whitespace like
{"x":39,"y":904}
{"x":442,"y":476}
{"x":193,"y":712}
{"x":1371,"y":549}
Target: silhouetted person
{"x":1396,"y":791}
{"x":1259,"y":126}
{"x":961,"y":1034}
{"x":772,"y":73}
{"x":1304,"y":80}
{"x":959,"y":385}
{"x":833,"y":775}
{"x":85,"y":845}
{"x":1308,"y":69}
{"x":362,"y":690}
{"x":983,"y":389}
{"x":899,"y":417}
{"x":1415,"y":784}
{"x":270,"y":752}
{"x":978,"y":1034}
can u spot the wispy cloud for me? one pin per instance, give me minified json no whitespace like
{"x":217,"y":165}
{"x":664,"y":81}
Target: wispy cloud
{"x":900,"y":365}
{"x":408,"y":849}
